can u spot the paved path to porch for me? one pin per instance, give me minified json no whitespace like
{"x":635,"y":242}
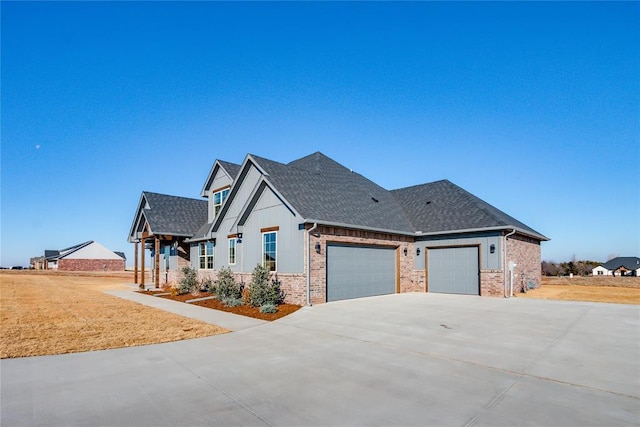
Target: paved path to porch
{"x":223,"y":319}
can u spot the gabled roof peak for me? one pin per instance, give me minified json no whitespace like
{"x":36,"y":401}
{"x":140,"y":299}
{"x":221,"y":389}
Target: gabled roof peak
{"x":232,"y":170}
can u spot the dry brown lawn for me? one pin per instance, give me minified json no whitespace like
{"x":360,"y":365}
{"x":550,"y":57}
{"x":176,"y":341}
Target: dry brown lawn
{"x":621,"y":290}
{"x":53,"y":313}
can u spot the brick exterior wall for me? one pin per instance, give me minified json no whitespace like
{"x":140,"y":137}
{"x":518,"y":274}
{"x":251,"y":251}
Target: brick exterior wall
{"x":525,"y":252}
{"x":293,"y":285}
{"x":522,"y":250}
{"x":91,"y":265}
{"x":491,"y":283}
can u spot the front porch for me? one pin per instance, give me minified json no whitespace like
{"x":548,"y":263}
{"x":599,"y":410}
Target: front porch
{"x":169,"y":254}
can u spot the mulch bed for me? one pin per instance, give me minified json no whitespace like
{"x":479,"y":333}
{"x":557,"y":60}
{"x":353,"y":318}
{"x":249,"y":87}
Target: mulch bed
{"x":243,"y":310}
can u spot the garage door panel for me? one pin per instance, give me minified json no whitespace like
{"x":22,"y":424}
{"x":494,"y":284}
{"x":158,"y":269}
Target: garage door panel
{"x":356,"y":271}
{"x":454,"y":270}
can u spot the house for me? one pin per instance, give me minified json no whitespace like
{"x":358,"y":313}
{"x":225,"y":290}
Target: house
{"x":87,"y":256}
{"x":330,"y":233}
{"x":620,"y":266}
{"x":37,"y":263}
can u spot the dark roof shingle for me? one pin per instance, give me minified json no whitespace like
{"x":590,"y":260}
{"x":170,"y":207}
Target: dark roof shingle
{"x":320,"y":188}
{"x":628,"y":262}
{"x":231,"y":168}
{"x":174,"y":215}
{"x":442,"y":206}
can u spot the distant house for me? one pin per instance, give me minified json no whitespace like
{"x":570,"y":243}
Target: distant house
{"x":620,"y":266}
{"x":330,"y":233}
{"x":87,"y":256}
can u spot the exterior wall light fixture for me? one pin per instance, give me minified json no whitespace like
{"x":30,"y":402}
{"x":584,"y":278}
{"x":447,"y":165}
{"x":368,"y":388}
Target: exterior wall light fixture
{"x":318,"y":247}
{"x":405,"y":251}
{"x":418,"y":252}
{"x":492,"y":248}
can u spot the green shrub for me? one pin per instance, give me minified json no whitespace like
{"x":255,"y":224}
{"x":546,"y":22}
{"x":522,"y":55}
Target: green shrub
{"x":226,"y":286}
{"x":232,"y":302}
{"x":189,"y":282}
{"x":206,"y":285}
{"x":262,"y":290}
{"x":268,"y":308}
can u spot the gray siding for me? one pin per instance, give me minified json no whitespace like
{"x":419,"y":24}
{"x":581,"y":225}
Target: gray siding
{"x":220,"y":180}
{"x":489,"y":261}
{"x":193,"y":255}
{"x":221,"y":251}
{"x":270,"y":212}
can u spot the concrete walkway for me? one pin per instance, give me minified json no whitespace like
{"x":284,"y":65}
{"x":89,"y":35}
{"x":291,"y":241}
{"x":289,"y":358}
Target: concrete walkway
{"x":408,"y":359}
{"x":223,"y":319}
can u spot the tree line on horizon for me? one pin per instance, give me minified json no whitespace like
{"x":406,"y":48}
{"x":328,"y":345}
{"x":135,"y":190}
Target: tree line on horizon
{"x":577,"y":268}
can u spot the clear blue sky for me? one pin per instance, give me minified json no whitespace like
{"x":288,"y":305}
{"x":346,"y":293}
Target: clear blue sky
{"x":533,"y":107}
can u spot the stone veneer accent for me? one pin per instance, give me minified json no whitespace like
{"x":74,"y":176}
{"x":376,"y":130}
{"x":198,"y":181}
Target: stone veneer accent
{"x":91,"y":264}
{"x":525,"y":252}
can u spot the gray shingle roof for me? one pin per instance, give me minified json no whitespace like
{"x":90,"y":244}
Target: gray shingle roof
{"x":321,"y":189}
{"x":174,"y":215}
{"x":442,"y":206}
{"x":628,"y":262}
{"x":231,"y":168}
{"x":202,"y":232}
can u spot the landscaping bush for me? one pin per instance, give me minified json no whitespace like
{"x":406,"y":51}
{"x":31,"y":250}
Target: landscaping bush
{"x":264,"y":291}
{"x":189,"y":282}
{"x":207,"y":285}
{"x":225,"y":286}
{"x":268,"y":308}
{"x":232,"y":302}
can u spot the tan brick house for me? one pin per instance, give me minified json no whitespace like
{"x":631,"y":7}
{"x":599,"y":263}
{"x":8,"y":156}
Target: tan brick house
{"x":330,"y":233}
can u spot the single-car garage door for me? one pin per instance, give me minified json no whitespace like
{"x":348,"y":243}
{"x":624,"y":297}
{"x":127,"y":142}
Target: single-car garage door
{"x":454,"y":270}
{"x":358,"y":271}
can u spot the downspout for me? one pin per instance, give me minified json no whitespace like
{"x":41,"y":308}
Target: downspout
{"x":504,"y":262}
{"x":315,"y":225}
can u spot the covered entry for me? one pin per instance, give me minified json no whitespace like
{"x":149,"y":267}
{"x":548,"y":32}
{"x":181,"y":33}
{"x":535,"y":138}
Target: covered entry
{"x":360,"y":271}
{"x":453,"y":270}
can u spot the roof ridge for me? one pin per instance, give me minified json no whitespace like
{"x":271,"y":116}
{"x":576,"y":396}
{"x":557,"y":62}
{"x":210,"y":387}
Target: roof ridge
{"x":172,"y":195}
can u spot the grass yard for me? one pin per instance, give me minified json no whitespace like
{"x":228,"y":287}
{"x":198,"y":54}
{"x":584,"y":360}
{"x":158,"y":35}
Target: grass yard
{"x":621,"y":290}
{"x":53,"y":313}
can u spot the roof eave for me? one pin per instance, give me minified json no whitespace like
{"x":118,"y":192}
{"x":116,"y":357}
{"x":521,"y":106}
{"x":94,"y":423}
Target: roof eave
{"x":519,"y":230}
{"x":357,"y":227}
{"x":420,"y":234}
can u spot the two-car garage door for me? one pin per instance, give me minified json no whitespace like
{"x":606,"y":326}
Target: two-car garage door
{"x":453,"y":270}
{"x":360,"y":271}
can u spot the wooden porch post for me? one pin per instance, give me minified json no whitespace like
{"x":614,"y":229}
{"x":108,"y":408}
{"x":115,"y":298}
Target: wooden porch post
{"x":143,"y":244}
{"x":135,"y":263}
{"x":157,"y":263}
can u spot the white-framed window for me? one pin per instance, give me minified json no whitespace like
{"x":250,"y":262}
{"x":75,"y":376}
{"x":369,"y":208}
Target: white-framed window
{"x":206,"y":256}
{"x":269,"y":249}
{"x":232,"y":251}
{"x":218,"y":199}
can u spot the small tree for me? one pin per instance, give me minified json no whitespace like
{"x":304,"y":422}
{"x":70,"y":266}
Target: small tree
{"x":262,"y":290}
{"x":189,"y":282}
{"x":225,"y":286}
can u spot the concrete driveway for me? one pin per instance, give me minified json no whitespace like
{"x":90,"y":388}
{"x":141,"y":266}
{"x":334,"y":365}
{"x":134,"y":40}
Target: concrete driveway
{"x":409,"y":359}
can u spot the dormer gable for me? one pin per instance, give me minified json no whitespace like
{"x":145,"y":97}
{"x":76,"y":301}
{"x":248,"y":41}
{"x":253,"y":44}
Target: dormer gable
{"x":216,"y":187}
